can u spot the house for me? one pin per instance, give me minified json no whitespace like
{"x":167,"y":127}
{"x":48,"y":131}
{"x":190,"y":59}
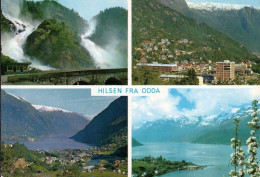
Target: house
{"x":170,"y":56}
{"x":18,"y":67}
{"x":149,"y":49}
{"x":163,"y":57}
{"x":143,"y":60}
{"x":184,"y":41}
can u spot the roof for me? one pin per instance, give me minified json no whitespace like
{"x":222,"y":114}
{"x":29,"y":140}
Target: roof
{"x":171,"y":76}
{"x":19,"y":64}
{"x":151,"y":64}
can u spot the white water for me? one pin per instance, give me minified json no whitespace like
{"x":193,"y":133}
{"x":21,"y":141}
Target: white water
{"x":12,"y":45}
{"x":102,"y":57}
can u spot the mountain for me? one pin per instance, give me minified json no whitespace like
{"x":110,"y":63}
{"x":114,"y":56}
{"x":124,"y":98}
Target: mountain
{"x":203,"y":129}
{"x":108,"y":127}
{"x":41,"y":10}
{"x":6,"y":25}
{"x":136,"y":143}
{"x":222,"y":133}
{"x":112,"y":29}
{"x":54,"y":44}
{"x":20,"y":119}
{"x":238,"y":22}
{"x":178,"y":5}
{"x":152,"y":20}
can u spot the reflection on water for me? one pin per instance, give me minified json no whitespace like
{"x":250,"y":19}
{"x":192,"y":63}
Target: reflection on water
{"x":216,"y":157}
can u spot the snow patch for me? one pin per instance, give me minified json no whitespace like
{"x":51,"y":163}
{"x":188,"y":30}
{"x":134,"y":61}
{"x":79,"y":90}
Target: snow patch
{"x":208,"y":6}
{"x":42,"y":108}
{"x":235,"y":110}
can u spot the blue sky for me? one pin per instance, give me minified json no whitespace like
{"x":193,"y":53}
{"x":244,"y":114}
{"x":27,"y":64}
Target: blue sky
{"x":255,"y":3}
{"x":89,"y":8}
{"x":190,"y":103}
{"x":76,"y":100}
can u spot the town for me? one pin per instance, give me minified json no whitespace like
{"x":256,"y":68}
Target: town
{"x":94,"y":160}
{"x":173,"y":63}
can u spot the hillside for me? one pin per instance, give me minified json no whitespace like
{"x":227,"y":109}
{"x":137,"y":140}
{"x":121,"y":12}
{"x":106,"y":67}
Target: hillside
{"x":6,"y":25}
{"x":240,"y":24}
{"x":41,"y":10}
{"x":54,"y":44}
{"x":5,"y":60}
{"x":111,"y":29}
{"x":136,"y":143}
{"x":201,"y":129}
{"x":222,"y":133}
{"x":154,"y":21}
{"x":108,"y":127}
{"x":26,"y":121}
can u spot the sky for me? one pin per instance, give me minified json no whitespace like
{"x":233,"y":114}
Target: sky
{"x":89,"y":8}
{"x":255,"y":3}
{"x":76,"y":100}
{"x":190,"y":103}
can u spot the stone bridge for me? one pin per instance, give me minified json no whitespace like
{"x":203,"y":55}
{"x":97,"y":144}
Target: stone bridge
{"x":80,"y":77}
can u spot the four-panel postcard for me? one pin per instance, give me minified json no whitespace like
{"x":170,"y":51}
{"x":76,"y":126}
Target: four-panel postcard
{"x":130,"y":88}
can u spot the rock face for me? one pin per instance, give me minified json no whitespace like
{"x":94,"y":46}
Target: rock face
{"x":179,"y":5}
{"x":21,"y":120}
{"x":241,"y":24}
{"x":54,"y":44}
{"x":110,"y":126}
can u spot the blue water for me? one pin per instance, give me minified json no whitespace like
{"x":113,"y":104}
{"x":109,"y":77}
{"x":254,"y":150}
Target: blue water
{"x":55,"y":143}
{"x":216,"y":157}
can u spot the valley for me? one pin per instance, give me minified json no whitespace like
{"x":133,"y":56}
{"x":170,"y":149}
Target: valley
{"x":174,"y":41}
{"x":40,"y":141}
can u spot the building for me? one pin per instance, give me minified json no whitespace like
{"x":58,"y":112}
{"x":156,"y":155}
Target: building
{"x":241,"y":69}
{"x":225,"y":70}
{"x":159,"y":67}
{"x":17,"y":67}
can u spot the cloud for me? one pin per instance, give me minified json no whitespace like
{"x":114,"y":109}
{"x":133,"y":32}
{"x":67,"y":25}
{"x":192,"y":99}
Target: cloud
{"x":208,"y":102}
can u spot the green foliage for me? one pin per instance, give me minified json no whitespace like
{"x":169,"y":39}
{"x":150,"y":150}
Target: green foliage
{"x":111,"y":28}
{"x":54,"y":44}
{"x":5,"y":60}
{"x":191,"y":79}
{"x":111,"y":23}
{"x":157,"y":166}
{"x":10,"y":155}
{"x":108,"y":127}
{"x":152,"y":20}
{"x":41,"y":10}
{"x":144,"y":76}
{"x":256,"y":67}
{"x":5,"y":24}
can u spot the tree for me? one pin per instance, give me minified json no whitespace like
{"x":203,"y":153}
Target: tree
{"x":238,"y":158}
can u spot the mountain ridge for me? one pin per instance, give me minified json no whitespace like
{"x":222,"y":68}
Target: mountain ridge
{"x":108,"y":127}
{"x":26,"y":121}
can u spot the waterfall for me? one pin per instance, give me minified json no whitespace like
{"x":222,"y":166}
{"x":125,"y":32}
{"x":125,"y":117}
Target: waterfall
{"x":107,"y":57}
{"x":12,"y":45}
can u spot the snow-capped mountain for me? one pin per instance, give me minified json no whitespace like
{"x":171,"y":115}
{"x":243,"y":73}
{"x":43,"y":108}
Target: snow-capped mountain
{"x":42,"y":108}
{"x":21,"y":119}
{"x":215,"y":6}
{"x":190,"y":128}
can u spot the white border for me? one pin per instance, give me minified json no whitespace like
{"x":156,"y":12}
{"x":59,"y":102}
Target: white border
{"x":129,"y":42}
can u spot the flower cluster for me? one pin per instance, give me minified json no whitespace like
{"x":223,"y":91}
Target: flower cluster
{"x":238,"y":157}
{"x":252,"y":163}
